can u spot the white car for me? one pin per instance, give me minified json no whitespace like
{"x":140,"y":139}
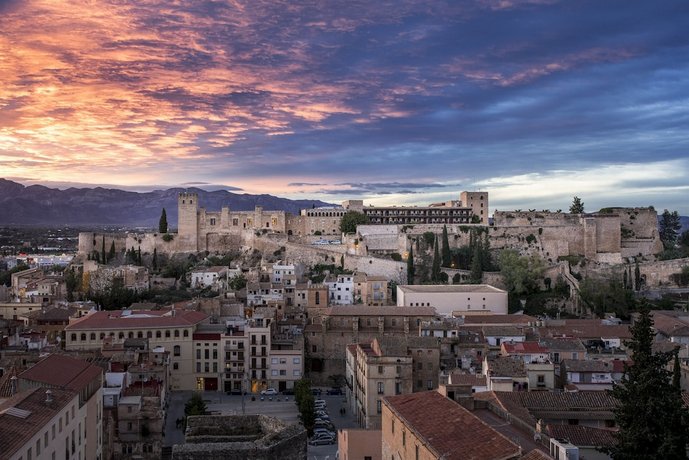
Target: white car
{"x":269,"y":392}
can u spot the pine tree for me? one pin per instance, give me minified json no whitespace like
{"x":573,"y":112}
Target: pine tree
{"x":668,"y":228}
{"x":435,"y":270}
{"x":446,"y":248}
{"x":577,"y":206}
{"x":410,"y":265}
{"x":162,"y":223}
{"x":653,"y":422}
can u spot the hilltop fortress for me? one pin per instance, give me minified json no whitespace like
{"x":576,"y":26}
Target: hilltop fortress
{"x":608,"y":236}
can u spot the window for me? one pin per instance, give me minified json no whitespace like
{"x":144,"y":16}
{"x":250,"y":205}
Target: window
{"x":296,"y":373}
{"x":206,"y":367}
{"x":198,"y":353}
{"x":167,"y":334}
{"x":198,"y":367}
{"x":175,"y":366}
{"x":149,"y":334}
{"x":176,"y":332}
{"x":404,"y":438}
{"x":176,"y":350}
{"x":273,"y":360}
{"x":393,"y":426}
{"x":140,"y":335}
{"x":381,"y":388}
{"x":206,"y":353}
{"x":212,"y":220}
{"x":92,"y":337}
{"x":380,"y":369}
{"x":429,"y":385}
{"x":185,"y":333}
{"x":296,"y":360}
{"x":83,"y":337}
{"x":74,"y":337}
{"x":283,"y":372}
{"x":379,"y":406}
{"x":314,"y":348}
{"x":274,"y":372}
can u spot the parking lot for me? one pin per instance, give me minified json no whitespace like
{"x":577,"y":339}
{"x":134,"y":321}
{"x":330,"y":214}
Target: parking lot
{"x":282,"y":407}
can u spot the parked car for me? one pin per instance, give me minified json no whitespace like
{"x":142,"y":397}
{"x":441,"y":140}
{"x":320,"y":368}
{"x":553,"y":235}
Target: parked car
{"x":316,"y":391}
{"x":320,"y":402}
{"x":322,"y":441}
{"x":323,"y":431}
{"x":269,"y":392}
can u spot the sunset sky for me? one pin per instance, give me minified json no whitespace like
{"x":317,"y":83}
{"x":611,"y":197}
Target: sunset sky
{"x":390,"y":101}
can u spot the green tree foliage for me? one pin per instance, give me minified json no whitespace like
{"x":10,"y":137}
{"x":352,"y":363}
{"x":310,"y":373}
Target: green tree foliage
{"x":447,"y":259}
{"x":435,"y":268}
{"x":410,"y":266}
{"x":429,"y":238}
{"x":653,"y":422}
{"x":103,"y":258}
{"x":195,"y":406}
{"x":6,"y":276}
{"x":72,"y":284}
{"x":521,"y":273}
{"x":577,"y":206}
{"x":350,"y":221}
{"x":668,"y":228}
{"x":476,"y":275}
{"x":154,"y":262}
{"x":114,"y":296}
{"x":304,"y":399}
{"x":637,"y":277}
{"x":606,"y":295}
{"x":237,"y":282}
{"x":162,"y":223}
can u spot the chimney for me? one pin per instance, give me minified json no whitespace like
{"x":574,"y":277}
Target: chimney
{"x":48,"y":397}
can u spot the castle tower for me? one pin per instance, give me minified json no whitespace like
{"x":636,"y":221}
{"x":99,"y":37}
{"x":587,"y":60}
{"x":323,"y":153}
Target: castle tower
{"x":478,"y":202}
{"x":187,"y":221}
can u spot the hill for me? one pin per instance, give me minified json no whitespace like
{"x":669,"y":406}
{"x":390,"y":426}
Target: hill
{"x":39,"y":205}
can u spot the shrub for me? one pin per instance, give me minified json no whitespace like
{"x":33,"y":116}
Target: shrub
{"x":531,"y":238}
{"x":168,"y":237}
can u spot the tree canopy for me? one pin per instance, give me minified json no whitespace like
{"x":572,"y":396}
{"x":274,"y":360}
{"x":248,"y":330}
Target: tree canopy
{"x":577,"y":206}
{"x":350,"y":221}
{"x":668,"y":228}
{"x":521,"y":273}
{"x":653,"y":422}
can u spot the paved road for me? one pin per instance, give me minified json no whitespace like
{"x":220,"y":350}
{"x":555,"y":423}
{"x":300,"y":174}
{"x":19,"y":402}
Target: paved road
{"x":232,"y":405}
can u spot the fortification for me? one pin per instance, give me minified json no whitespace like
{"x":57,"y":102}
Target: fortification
{"x":187,"y":221}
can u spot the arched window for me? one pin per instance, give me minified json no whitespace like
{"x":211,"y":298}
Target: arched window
{"x":83,"y":337}
{"x":130,"y":335}
{"x":121,"y":335}
{"x":140,"y":335}
{"x":176,"y":350}
{"x":149,"y":334}
{"x":176,"y":332}
{"x":102,"y":335}
{"x":93,"y":336}
{"x":167,"y":333}
{"x":185,"y":333}
{"x":74,"y":337}
{"x":157,"y":334}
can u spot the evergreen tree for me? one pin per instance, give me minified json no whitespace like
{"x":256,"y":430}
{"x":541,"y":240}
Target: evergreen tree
{"x":476,"y":270}
{"x":162,"y":223}
{"x":677,"y":374}
{"x":668,"y":228}
{"x":103,"y":255}
{"x":138,"y":257}
{"x":155,"y":259}
{"x":111,"y":252}
{"x":625,"y":281}
{"x":410,"y":265}
{"x":653,"y":422}
{"x":637,"y":277}
{"x":435,"y":268}
{"x":351,"y":220}
{"x":577,"y":206}
{"x":446,"y":248}
{"x":486,"y":264}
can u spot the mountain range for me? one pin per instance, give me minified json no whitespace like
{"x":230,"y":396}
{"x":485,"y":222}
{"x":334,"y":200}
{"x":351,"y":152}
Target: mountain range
{"x":38,"y":205}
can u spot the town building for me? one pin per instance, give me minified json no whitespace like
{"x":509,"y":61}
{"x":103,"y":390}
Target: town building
{"x":209,"y":277}
{"x":455,"y":299}
{"x":430,"y":426}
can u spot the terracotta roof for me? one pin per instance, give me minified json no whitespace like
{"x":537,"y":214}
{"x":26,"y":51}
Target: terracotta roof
{"x":506,"y":367}
{"x":468,"y":379}
{"x":582,"y":436}
{"x":502,"y":331}
{"x":364,"y":310}
{"x":448,"y":429}
{"x":62,"y":372}
{"x":499,"y":319}
{"x":592,"y":331}
{"x":536,"y":455}
{"x":562,"y":344}
{"x":118,"y":320}
{"x":523,"y":348}
{"x":17,"y":431}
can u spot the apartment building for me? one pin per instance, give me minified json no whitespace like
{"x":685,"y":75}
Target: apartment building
{"x":213,"y":277}
{"x":170,"y":329}
{"x":84,"y":422}
{"x":455,"y":299}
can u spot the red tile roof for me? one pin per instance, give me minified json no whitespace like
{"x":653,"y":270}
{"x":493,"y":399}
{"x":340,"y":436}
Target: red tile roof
{"x":523,"y":348}
{"x":115,"y":320}
{"x":582,"y":436}
{"x":17,"y":431}
{"x":448,"y":429}
{"x":62,"y":372}
{"x":536,"y":455}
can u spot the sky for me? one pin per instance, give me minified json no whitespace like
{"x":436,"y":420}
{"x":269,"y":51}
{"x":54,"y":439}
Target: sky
{"x":393,"y":102}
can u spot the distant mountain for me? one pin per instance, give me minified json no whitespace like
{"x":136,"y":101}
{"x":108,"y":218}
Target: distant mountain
{"x":39,"y":205}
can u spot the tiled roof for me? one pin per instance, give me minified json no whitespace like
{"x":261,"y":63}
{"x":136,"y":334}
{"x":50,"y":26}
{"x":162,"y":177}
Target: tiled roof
{"x":502,"y":331}
{"x":62,"y":372}
{"x":499,"y":319}
{"x":523,"y":348}
{"x":448,"y":429}
{"x":506,"y":367}
{"x":536,"y":455}
{"x":545,"y":400}
{"x":364,"y":310}
{"x":592,"y":331}
{"x":582,"y":436}
{"x":17,"y":431}
{"x":468,"y":379}
{"x":560,"y":344}
{"x":115,"y":320}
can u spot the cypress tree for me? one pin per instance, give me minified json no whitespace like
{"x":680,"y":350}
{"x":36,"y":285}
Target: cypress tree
{"x":485,"y":253}
{"x":446,"y":248}
{"x":653,"y":422}
{"x":677,"y":375}
{"x":138,"y":257}
{"x":410,"y":265}
{"x":435,"y":268}
{"x":476,"y":270}
{"x":111,"y":253}
{"x":155,"y":259}
{"x":625,"y":281}
{"x":162,"y":223}
{"x":103,"y":258}
{"x":637,"y":277}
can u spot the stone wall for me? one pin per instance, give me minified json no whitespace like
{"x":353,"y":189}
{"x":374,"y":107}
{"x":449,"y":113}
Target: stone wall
{"x":656,"y":274}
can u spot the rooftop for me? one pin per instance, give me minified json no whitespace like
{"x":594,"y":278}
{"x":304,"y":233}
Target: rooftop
{"x":500,"y":320}
{"x":581,"y":435}
{"x":518,"y":348}
{"x":458,"y":434}
{"x":62,"y":372}
{"x":126,"y":319}
{"x":363,"y":310}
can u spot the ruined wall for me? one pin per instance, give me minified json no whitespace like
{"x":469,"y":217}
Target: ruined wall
{"x":658,"y":273}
